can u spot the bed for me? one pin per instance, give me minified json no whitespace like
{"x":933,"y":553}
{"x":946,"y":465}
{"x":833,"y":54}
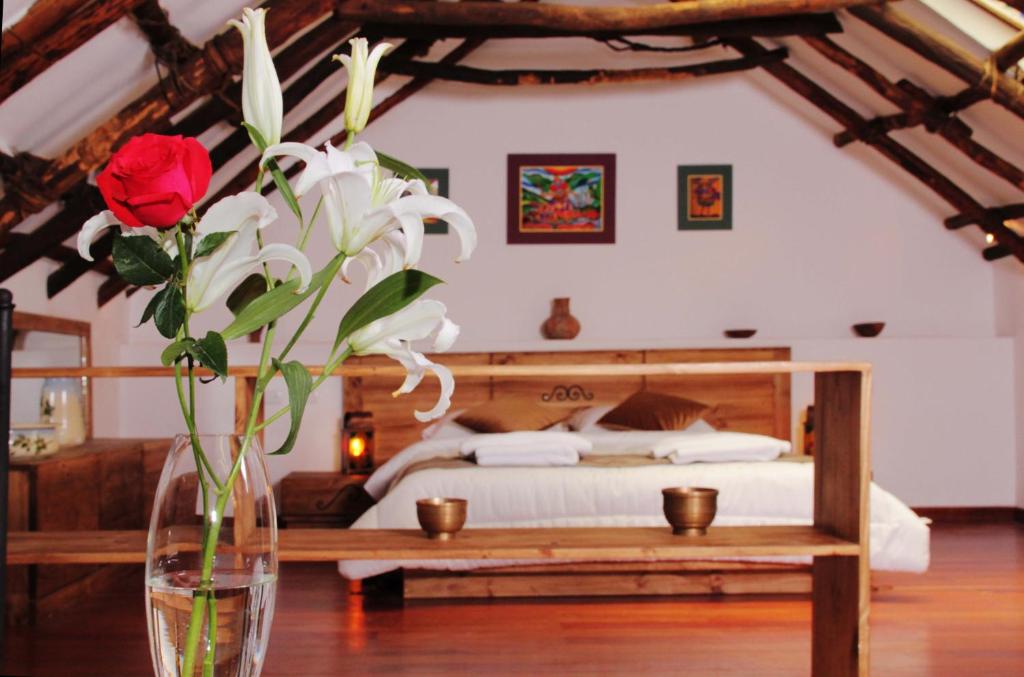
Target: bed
{"x":596,"y":493}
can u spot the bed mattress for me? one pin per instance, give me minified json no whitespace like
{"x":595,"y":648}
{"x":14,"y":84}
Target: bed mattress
{"x":750,"y":493}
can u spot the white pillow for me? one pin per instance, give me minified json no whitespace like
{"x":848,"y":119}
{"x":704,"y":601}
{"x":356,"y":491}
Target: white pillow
{"x":586,"y":419}
{"x":446,"y":427}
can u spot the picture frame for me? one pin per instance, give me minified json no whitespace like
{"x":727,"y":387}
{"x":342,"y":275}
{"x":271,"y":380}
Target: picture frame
{"x":704,"y":196}
{"x":564,"y":198}
{"x":438,"y":185}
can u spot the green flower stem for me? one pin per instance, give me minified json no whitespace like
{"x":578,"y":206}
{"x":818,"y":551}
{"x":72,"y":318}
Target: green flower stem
{"x":211,"y":636}
{"x":333,"y":266}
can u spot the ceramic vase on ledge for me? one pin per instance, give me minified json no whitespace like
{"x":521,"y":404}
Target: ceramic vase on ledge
{"x":238,"y":600}
{"x":561,"y":324}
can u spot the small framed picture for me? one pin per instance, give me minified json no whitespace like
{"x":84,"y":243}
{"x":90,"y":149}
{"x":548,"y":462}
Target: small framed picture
{"x":437,"y":185}
{"x":561,"y":199}
{"x":705,"y":197}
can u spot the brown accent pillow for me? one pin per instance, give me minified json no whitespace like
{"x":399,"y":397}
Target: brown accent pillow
{"x":646,"y":410}
{"x":506,"y":416}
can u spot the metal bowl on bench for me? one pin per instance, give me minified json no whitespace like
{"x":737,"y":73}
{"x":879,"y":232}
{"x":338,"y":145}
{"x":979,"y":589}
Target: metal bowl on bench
{"x":690,"y":510}
{"x":441,"y":518}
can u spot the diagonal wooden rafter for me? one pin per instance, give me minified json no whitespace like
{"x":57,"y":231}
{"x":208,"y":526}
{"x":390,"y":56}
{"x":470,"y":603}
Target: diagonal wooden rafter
{"x":49,"y":31}
{"x":83,"y":200}
{"x":218,"y":60}
{"x":892,"y":150}
{"x":918,"y":108}
{"x":982,"y":83}
{"x":577,"y":18}
{"x":302,"y":132}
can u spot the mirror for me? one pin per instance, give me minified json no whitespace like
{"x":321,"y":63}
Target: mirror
{"x":66,"y":403}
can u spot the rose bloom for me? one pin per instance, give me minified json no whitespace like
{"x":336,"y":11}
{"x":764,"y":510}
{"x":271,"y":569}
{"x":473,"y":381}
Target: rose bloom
{"x":154,"y":180}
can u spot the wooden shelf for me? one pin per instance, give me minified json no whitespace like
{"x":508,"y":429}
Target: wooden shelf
{"x":324,"y":545}
{"x":510,"y":370}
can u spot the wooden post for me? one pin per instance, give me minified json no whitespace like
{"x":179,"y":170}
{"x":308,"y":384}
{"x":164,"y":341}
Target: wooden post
{"x":6,"y":346}
{"x":840,"y":639}
{"x":245,"y":391}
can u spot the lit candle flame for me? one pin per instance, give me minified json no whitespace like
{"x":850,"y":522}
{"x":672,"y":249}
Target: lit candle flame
{"x":356,"y":447}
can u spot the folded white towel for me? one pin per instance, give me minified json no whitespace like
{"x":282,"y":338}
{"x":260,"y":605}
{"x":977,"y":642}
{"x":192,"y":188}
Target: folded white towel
{"x":537,"y":456}
{"x":525,"y":441}
{"x":719,"y":447}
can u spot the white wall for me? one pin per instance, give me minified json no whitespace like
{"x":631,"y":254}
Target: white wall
{"x":1010,"y":323}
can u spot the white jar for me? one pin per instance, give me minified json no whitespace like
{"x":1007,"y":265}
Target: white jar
{"x":61,"y":404}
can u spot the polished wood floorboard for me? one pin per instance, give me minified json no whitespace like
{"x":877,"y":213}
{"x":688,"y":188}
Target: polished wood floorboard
{"x":964,"y":617}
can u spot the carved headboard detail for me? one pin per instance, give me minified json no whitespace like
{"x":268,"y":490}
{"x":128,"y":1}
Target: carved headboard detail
{"x":757,"y":403}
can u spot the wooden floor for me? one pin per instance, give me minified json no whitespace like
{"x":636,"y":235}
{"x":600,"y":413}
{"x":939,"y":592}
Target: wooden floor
{"x":964,"y":617}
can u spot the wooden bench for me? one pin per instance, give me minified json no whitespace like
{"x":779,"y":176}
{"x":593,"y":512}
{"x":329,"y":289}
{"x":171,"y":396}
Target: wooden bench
{"x":838,"y":541}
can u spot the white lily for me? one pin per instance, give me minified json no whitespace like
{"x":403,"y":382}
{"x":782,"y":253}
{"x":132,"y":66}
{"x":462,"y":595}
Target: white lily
{"x":362,"y":69}
{"x":362,"y":206}
{"x":393,"y":335}
{"x":93,"y":229}
{"x":214,"y":275}
{"x":262,"y":103}
{"x":217,"y":274}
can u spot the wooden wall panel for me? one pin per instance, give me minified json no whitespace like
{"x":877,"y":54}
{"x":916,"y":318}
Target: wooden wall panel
{"x":757,"y":403}
{"x":396,"y":427}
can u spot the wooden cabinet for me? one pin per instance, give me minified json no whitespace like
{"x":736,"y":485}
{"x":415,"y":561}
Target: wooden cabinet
{"x":101,"y":484}
{"x":322,"y":499}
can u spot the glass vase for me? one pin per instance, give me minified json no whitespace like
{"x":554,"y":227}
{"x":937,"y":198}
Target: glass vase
{"x":211,"y":559}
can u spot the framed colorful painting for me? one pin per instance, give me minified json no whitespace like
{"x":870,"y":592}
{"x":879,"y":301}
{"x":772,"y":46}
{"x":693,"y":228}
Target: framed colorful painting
{"x":705,"y":197}
{"x":561,"y":199}
{"x":437,"y":185}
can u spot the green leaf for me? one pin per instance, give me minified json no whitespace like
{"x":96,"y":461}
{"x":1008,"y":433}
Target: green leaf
{"x":150,"y":308}
{"x":281,"y":181}
{"x":385,"y":298}
{"x":140,"y":260}
{"x":170,"y":311}
{"x":402,"y":169}
{"x":212,"y":353}
{"x":176,"y":351}
{"x":278,"y":301}
{"x":247,"y":290}
{"x":211,"y":242}
{"x":300,"y":385}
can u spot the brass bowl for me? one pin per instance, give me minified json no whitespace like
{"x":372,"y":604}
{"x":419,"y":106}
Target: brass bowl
{"x":441,"y":518}
{"x":690,"y":509}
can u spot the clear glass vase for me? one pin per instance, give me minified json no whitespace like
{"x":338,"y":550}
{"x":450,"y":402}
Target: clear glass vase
{"x":211,"y":559}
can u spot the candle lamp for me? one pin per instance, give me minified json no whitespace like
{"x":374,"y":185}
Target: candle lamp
{"x":357,"y":443}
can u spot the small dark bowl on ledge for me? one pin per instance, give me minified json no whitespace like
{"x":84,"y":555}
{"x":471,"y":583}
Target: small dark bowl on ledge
{"x":869,"y":329}
{"x":740,"y":333}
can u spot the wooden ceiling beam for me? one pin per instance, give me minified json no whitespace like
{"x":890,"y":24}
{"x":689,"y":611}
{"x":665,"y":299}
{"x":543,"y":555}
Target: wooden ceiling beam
{"x":84,"y":199}
{"x":218,"y":61}
{"x":1009,"y":54}
{"x":918,"y":106}
{"x":888,"y":147}
{"x":1004,"y":213}
{"x":947,"y":54}
{"x":167,"y":43}
{"x":51,"y":30}
{"x":65,"y":224}
{"x":577,"y":18}
{"x":61,"y":279}
{"x":772,"y":26}
{"x":560,"y":77}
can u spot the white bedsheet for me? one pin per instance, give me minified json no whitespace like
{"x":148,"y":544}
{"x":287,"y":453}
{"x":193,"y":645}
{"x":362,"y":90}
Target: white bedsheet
{"x":750,"y":494}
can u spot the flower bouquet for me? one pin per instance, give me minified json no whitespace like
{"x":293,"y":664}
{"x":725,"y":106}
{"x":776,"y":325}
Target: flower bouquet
{"x":211,"y":555}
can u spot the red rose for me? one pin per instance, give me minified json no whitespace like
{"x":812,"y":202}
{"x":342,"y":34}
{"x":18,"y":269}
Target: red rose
{"x":153,"y":180}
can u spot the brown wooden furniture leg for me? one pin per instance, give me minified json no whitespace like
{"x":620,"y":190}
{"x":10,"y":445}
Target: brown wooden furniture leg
{"x":840,"y":598}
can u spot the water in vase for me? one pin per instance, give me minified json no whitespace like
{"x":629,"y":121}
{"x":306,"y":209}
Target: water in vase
{"x":243,"y":606}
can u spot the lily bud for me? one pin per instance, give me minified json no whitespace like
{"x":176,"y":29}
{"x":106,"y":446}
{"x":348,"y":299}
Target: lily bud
{"x":262,"y":104}
{"x":362,"y":69}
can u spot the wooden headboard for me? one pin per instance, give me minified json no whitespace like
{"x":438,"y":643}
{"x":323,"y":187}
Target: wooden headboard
{"x":756,"y":403}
